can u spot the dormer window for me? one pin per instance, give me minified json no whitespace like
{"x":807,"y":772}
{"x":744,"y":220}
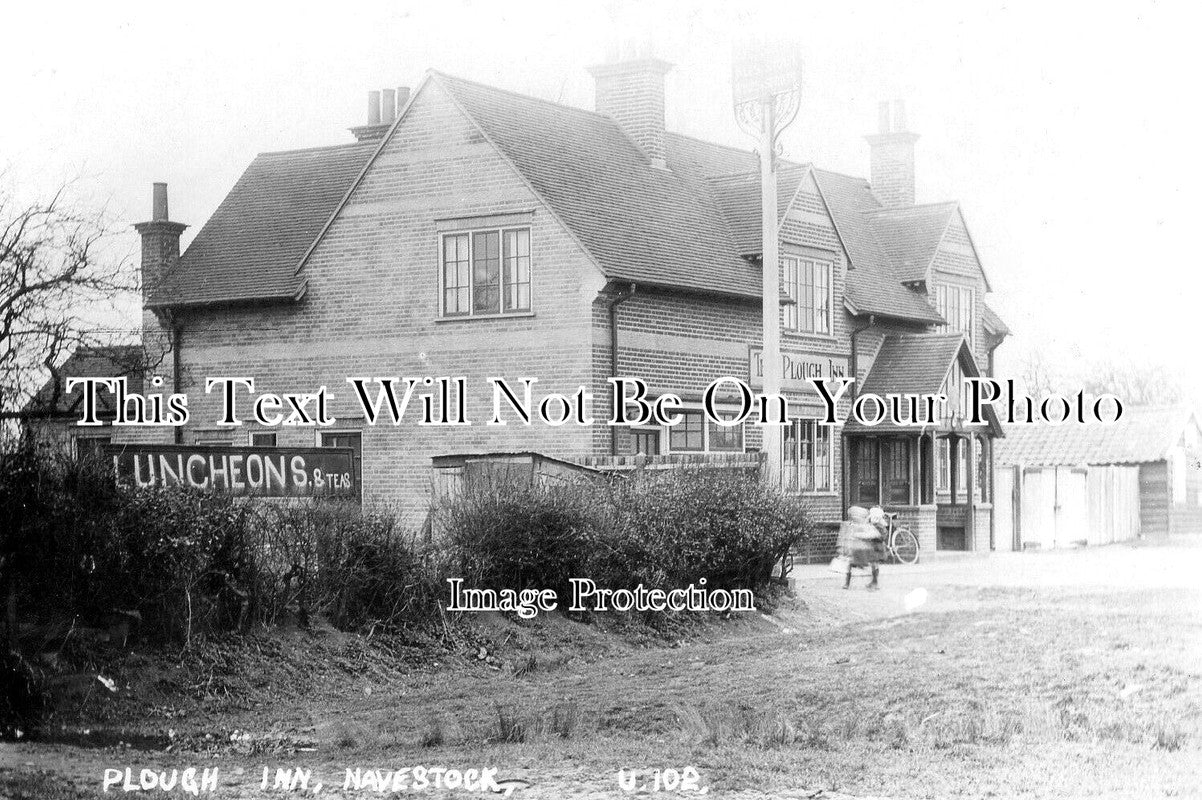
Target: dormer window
{"x":807,"y":283}
{"x":485,"y":272}
{"x":957,"y":305}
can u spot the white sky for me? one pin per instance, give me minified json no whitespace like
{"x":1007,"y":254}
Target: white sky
{"x":1066,"y":131}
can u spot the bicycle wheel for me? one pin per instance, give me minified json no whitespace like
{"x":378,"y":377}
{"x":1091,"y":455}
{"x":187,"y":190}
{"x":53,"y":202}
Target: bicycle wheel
{"x":904,"y":546}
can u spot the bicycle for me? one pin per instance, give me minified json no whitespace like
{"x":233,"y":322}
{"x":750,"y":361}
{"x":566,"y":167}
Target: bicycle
{"x":900,"y":542}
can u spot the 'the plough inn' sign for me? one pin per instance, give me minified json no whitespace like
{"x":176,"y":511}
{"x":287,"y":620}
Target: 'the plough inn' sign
{"x":241,"y":471}
{"x":797,"y":370}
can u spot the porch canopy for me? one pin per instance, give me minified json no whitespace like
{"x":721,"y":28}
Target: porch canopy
{"x":893,"y":463}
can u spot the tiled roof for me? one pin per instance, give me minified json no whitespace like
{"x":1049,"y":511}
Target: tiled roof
{"x":90,"y":362}
{"x":910,"y":236}
{"x":691,"y":226}
{"x":738,"y":198}
{"x":641,"y":223}
{"x":251,"y":246}
{"x":992,"y":321}
{"x":873,"y":285}
{"x":915,"y":363}
{"x":1141,"y":435}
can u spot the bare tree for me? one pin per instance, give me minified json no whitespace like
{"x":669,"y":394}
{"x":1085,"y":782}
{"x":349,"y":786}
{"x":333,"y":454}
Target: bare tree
{"x":53,"y":273}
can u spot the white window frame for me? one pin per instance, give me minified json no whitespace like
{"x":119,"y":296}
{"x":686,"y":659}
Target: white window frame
{"x":665,"y":442}
{"x":943,"y":292}
{"x":471,"y":233}
{"x":830,"y":466}
{"x":792,"y":286}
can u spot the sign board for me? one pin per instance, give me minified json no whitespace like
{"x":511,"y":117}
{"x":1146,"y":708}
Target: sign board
{"x":763,"y":70}
{"x":797,"y":370}
{"x":240,"y":471}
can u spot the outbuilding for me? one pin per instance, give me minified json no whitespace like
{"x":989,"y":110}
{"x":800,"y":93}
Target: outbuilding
{"x":1070,"y":485}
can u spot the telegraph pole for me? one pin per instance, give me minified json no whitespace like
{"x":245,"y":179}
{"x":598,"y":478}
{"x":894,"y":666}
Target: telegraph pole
{"x":767,"y":95}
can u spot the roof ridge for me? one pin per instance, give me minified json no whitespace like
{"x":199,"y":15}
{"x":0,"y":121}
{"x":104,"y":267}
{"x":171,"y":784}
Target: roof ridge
{"x":513,"y":93}
{"x":915,"y":207}
{"x":847,"y":175}
{"x":317,"y":148}
{"x":787,"y":161}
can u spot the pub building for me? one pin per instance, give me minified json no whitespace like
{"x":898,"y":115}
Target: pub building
{"x":472,"y":231}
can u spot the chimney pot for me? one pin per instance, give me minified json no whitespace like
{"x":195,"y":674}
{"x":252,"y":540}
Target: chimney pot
{"x":402,"y":97}
{"x":373,"y":108}
{"x":159,"y":203}
{"x":388,"y":106}
{"x":883,"y":117}
{"x":892,"y":157}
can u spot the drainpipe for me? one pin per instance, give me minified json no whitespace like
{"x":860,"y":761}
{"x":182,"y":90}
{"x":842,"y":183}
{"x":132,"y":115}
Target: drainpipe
{"x":177,"y":362}
{"x":612,"y":306}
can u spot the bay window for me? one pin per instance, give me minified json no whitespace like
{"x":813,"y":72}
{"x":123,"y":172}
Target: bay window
{"x":808,"y":458}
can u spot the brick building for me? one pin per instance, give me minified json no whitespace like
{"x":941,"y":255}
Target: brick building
{"x":470,"y":231}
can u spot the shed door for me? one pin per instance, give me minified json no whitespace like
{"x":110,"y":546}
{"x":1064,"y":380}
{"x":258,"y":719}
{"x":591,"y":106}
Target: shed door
{"x":1003,"y":508}
{"x":1072,"y":506}
{"x":1039,"y":507}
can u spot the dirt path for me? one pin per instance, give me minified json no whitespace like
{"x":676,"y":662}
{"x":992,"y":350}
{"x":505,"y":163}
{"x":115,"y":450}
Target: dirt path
{"x":1066,"y":674}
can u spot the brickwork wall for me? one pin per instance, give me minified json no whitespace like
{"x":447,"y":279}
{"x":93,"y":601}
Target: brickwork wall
{"x":372,"y":309}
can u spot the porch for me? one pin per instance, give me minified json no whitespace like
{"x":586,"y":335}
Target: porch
{"x":937,"y":480}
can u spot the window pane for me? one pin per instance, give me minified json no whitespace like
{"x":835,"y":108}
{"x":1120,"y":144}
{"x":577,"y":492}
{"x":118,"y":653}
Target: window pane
{"x":822,"y":458}
{"x":486,"y":272}
{"x":517,"y":270}
{"x":644,"y":442}
{"x":822,"y":298}
{"x":790,"y":284}
{"x":792,"y":480}
{"x":726,"y":438}
{"x":455,"y":274}
{"x":262,"y":440}
{"x":867,"y":472}
{"x":689,"y":434}
{"x":896,"y":454}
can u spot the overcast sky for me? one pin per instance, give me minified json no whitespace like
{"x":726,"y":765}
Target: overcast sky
{"x":1066,"y":132}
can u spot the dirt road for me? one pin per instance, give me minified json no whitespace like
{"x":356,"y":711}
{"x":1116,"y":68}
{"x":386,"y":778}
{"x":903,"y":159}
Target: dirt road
{"x":1043,"y":675}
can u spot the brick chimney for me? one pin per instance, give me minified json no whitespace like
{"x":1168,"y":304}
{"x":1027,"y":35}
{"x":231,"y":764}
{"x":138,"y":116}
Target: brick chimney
{"x":632,"y":93}
{"x":892,"y":157}
{"x":160,"y":243}
{"x":382,"y":109}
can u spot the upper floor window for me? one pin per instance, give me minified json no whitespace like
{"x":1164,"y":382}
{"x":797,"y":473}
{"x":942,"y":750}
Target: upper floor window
{"x":485,"y":272}
{"x":807,"y":284}
{"x":957,"y":305}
